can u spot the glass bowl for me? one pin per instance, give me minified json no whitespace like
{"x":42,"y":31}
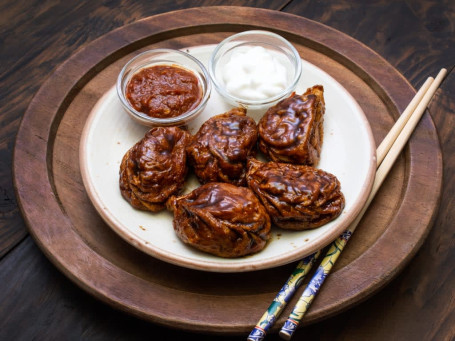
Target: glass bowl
{"x":167,"y":57}
{"x":255,"y":69}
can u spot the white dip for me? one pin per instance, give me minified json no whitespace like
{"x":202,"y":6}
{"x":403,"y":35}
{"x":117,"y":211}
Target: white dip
{"x":254,"y":73}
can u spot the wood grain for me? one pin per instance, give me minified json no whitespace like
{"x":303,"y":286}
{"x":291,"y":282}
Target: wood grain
{"x":428,"y":25}
{"x":48,"y":142}
{"x":416,"y":305}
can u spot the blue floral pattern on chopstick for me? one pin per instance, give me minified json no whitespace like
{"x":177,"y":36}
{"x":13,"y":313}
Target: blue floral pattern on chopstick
{"x":312,"y":288}
{"x":282,"y":298}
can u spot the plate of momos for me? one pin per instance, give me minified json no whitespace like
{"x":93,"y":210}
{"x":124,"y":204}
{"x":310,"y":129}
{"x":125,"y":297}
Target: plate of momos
{"x":262,"y":203}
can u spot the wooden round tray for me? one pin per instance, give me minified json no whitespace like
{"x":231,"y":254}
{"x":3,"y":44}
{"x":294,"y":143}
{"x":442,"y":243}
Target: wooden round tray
{"x":68,"y":229}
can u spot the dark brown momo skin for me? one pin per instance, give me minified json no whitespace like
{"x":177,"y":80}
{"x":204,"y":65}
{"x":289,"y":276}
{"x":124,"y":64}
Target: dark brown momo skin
{"x":292,"y":130}
{"x":154,"y":168}
{"x":219,"y":150}
{"x":297,"y":197}
{"x":221,"y":219}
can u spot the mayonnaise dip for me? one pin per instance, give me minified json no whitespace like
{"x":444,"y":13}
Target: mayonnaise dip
{"x":254,"y":73}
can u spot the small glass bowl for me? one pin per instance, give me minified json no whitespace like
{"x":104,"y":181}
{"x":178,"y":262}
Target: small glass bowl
{"x":273,"y":43}
{"x":163,"y":57}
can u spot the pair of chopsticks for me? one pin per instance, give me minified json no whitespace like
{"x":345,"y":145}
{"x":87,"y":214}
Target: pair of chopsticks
{"x":386,"y":155}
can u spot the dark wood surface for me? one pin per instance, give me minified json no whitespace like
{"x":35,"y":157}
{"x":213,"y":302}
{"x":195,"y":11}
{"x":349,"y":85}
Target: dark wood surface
{"x":37,"y":301}
{"x":47,"y":148}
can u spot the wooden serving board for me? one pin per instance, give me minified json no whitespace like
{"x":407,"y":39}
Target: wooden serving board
{"x":67,"y":228}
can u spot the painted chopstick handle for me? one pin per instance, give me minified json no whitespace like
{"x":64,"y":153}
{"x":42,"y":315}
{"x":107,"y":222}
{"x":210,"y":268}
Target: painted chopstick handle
{"x":282,"y":298}
{"x":312,"y":288}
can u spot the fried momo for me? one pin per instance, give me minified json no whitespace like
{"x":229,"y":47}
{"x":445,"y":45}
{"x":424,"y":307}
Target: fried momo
{"x":219,"y":150}
{"x":292,"y":130}
{"x":296,"y":197}
{"x":154,"y":168}
{"x":221,"y":219}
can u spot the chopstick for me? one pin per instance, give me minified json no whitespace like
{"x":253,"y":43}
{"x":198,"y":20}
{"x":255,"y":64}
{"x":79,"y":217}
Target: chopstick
{"x":387,"y":152}
{"x":392,"y":135}
{"x":391,"y":154}
{"x":282,"y":298}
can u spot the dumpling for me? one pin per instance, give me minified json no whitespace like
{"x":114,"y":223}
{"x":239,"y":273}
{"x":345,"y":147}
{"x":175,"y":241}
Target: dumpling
{"x":219,"y":150}
{"x":296,"y":197}
{"x":154,"y":168}
{"x":292,"y":130}
{"x":221,"y":219}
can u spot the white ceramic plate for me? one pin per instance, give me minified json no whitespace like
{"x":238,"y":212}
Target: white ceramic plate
{"x":348,"y":152}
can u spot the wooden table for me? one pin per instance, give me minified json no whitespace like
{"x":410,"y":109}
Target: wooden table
{"x":39,"y":302}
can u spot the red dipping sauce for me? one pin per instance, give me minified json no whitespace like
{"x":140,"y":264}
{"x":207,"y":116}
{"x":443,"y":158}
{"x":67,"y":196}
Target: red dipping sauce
{"x":164,"y":91}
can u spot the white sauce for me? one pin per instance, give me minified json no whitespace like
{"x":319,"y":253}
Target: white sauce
{"x":254,"y":73}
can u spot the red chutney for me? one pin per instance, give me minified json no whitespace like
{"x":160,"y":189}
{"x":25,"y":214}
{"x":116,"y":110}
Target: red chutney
{"x":164,"y":91}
